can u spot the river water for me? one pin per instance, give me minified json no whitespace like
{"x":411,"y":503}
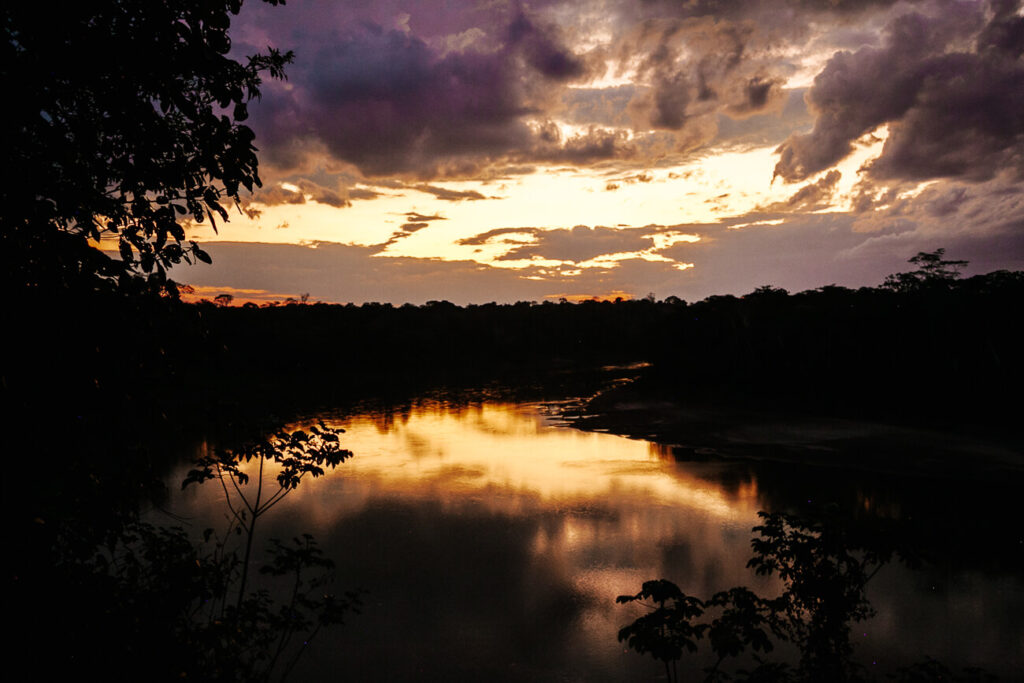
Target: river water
{"x":491,"y":539}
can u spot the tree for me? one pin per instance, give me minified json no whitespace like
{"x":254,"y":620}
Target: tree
{"x":824,"y":562}
{"x":182,"y":609}
{"x":124,"y":123}
{"x":932,"y":270}
{"x":294,"y":454}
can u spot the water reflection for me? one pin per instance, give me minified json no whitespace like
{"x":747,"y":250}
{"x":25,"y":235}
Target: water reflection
{"x":493,"y":542}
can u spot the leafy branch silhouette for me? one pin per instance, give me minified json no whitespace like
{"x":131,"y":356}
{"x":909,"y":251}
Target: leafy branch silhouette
{"x":197,"y":602}
{"x":825,"y":563}
{"x":297,"y":454}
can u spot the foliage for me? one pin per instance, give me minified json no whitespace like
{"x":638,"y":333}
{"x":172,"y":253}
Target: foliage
{"x":126,"y":124}
{"x":668,"y":628}
{"x":932,"y":271}
{"x":172,"y":596}
{"x":181,"y":607}
{"x":825,"y":563}
{"x":825,"y":567}
{"x":295,"y":454}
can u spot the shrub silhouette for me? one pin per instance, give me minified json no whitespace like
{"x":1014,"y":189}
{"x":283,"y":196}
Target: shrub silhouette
{"x":825,"y":563}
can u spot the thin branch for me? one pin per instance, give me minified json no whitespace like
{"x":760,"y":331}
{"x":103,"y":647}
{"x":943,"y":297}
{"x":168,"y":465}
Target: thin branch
{"x":239,"y":491}
{"x":227,"y":496}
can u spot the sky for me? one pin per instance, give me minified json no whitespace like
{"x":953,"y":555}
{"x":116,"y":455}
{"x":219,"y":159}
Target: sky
{"x":507,"y":151}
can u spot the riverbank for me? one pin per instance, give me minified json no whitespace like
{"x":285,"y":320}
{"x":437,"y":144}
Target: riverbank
{"x":697,"y":431}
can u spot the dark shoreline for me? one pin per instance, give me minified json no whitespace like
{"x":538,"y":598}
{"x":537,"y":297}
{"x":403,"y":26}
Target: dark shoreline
{"x":717,"y":430}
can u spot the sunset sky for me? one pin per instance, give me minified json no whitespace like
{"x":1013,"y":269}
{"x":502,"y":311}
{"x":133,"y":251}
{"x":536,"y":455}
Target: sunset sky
{"x":504,"y":151}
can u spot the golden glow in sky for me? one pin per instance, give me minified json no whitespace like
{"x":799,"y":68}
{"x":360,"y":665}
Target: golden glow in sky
{"x":484,"y":148}
{"x":707,"y":190}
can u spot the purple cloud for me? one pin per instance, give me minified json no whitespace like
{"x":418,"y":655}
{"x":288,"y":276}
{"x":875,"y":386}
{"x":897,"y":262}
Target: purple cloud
{"x":950,"y":86}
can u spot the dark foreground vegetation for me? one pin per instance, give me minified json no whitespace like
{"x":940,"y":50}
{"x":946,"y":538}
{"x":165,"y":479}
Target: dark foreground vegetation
{"x":825,"y":560}
{"x":106,"y":386}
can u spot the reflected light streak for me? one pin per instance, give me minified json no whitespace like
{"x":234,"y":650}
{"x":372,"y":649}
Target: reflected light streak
{"x":604,"y":513}
{"x":509,"y":459}
{"x":461,"y":453}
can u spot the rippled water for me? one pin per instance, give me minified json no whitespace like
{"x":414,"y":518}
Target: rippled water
{"x":492,"y":540}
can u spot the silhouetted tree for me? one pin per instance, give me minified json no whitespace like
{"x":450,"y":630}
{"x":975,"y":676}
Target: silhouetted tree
{"x":932,"y":270}
{"x":125,"y":122}
{"x":824,"y":562}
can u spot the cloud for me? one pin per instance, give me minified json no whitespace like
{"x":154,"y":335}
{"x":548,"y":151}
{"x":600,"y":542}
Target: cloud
{"x":950,"y":85}
{"x":391,"y":103}
{"x":343,"y":273}
{"x":277,"y":194}
{"x":416,"y":222}
{"x":357,"y":193}
{"x":485,"y":237}
{"x":383,"y":101}
{"x":582,"y":148}
{"x":810,"y":197}
{"x":300,"y":190}
{"x":451,"y":195}
{"x":951,"y":209}
{"x":582,"y":243}
{"x":422,"y":218}
{"x":394,"y":98}
{"x":542,"y":49}
{"x":459,"y":89}
{"x":413,"y":227}
{"x":785,"y":250}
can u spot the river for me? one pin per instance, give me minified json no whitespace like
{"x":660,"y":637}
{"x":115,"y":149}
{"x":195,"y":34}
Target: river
{"x":492,"y":538}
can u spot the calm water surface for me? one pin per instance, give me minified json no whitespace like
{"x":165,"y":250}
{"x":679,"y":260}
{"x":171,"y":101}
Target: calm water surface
{"x":492,"y":540}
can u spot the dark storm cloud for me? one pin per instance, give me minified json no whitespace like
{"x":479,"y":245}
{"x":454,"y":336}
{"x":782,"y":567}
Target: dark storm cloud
{"x":950,"y":85}
{"x":455,"y":89}
{"x":382,"y":101}
{"x":389,"y":103}
{"x":542,"y":50}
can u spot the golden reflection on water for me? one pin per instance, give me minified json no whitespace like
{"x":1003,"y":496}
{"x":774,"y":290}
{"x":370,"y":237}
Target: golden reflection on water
{"x":596,"y":514}
{"x":512,"y":458}
{"x":619,"y":502}
{"x":494,"y":520}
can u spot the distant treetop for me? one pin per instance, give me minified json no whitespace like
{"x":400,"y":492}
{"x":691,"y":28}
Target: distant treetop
{"x":932,"y":270}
